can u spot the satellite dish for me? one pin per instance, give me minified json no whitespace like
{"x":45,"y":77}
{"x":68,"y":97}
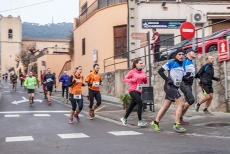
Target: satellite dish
{"x":197,"y":17}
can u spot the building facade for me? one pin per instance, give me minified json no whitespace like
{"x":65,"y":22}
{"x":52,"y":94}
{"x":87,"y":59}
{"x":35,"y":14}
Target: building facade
{"x":10,"y":42}
{"x":99,"y":32}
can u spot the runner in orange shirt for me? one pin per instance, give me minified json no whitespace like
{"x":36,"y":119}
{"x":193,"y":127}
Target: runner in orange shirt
{"x":75,"y":96}
{"x":94,"y":81}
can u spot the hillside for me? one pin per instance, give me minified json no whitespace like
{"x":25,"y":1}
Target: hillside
{"x":56,"y":31}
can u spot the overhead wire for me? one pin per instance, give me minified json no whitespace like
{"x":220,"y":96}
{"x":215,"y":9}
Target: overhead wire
{"x":26,"y":6}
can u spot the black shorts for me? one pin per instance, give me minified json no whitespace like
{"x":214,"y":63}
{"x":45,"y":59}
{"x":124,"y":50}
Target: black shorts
{"x":207,"y":89}
{"x":187,"y":90}
{"x":30,"y":91}
{"x":49,"y":88}
{"x":172,"y":92}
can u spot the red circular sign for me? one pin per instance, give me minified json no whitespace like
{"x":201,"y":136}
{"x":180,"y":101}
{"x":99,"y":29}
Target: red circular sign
{"x":187,"y":30}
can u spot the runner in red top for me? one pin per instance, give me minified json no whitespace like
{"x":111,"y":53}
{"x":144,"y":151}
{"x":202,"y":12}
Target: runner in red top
{"x":42,"y":84}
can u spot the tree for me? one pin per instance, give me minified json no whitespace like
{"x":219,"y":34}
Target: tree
{"x":24,"y":58}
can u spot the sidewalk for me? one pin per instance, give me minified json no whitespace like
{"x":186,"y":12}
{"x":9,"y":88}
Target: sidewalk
{"x":216,"y":125}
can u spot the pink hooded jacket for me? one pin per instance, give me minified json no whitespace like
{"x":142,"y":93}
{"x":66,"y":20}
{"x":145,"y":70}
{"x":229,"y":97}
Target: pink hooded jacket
{"x":135,"y":74}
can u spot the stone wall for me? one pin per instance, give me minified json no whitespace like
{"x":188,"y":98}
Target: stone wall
{"x":114,"y":85}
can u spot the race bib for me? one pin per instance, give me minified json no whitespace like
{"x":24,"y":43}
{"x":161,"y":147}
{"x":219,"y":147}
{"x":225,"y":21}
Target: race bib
{"x":49,"y":80}
{"x":77,"y":96}
{"x":177,"y":82}
{"x":31,"y":84}
{"x":139,"y":87}
{"x":96,"y":84}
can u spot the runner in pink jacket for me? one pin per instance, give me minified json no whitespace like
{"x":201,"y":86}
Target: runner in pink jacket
{"x":136,"y":77}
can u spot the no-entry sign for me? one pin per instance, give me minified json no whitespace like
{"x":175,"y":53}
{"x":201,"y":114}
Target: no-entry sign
{"x":223,"y":50}
{"x":187,"y":30}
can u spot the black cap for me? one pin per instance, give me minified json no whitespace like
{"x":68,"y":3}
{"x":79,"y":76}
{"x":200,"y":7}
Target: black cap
{"x":179,"y":50}
{"x":190,"y":49}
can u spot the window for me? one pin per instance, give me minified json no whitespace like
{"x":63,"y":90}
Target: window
{"x":10,"y":33}
{"x":83,"y":46}
{"x":84,"y":8}
{"x":120,"y":41}
{"x":167,"y":43}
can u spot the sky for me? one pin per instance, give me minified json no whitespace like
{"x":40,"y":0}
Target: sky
{"x":59,"y":10}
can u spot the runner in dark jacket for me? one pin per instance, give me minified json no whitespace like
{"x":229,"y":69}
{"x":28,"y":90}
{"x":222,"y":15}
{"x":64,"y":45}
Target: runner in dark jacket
{"x":206,"y":75}
{"x":65,"y":81}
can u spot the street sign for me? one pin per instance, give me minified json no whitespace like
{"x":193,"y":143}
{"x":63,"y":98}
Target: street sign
{"x":187,"y":30}
{"x":223,"y":50}
{"x":25,"y":100}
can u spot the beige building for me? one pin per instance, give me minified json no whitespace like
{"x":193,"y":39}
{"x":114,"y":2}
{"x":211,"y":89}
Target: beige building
{"x":10,"y":42}
{"x":50,"y":53}
{"x":100,"y":32}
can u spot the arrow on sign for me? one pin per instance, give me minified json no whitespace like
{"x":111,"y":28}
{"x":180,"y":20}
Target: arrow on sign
{"x":222,"y":47}
{"x":24,"y":100}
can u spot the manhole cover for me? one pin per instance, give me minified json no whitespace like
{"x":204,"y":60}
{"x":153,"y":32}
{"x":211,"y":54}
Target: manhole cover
{"x":217,"y":124}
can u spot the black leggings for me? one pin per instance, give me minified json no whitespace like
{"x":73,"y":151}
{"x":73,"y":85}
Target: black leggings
{"x":63,"y":91}
{"x":136,"y":100}
{"x":97,"y":95}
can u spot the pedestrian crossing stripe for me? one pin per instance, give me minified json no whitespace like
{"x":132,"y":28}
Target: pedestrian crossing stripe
{"x":78,"y":115}
{"x":74,"y":135}
{"x":12,"y":115}
{"x":41,"y":115}
{"x":124,"y":133}
{"x":19,"y":138}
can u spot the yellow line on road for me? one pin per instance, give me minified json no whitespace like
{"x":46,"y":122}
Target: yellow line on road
{"x":112,"y":111}
{"x":101,"y":107}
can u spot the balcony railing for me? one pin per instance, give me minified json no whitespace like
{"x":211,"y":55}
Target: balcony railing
{"x":96,"y":5}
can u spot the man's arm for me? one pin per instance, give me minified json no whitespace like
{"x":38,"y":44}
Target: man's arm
{"x":200,"y":72}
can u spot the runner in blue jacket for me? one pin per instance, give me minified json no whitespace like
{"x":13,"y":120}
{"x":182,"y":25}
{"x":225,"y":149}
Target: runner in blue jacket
{"x":65,"y":80}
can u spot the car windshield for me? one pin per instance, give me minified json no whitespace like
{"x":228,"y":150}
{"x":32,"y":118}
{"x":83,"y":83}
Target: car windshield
{"x":216,"y":33}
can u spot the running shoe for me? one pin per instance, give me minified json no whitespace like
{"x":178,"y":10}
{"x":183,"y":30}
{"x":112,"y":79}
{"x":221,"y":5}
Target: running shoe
{"x":49,"y":103}
{"x":71,"y":121}
{"x":30,"y":104}
{"x":182,"y":122}
{"x":197,"y":107}
{"x":124,"y":121}
{"x":142,"y":123}
{"x":89,"y":117}
{"x":178,"y":128}
{"x":77,"y":117}
{"x":92,"y":113}
{"x":63,"y":100}
{"x":66,"y":101}
{"x":155,"y":126}
{"x":206,"y":111}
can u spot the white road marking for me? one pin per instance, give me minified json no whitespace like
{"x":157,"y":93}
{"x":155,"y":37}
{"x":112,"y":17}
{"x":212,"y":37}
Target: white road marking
{"x":41,"y":115}
{"x":123,"y":133}
{"x":74,"y":135}
{"x":5,"y":87}
{"x":187,"y":30}
{"x":12,"y":115}
{"x":6,"y":91}
{"x":18,"y":112}
{"x":78,"y":115}
{"x":19,"y":138}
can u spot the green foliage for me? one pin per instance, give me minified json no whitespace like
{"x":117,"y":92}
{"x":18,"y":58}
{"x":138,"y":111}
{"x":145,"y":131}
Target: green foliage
{"x":55,"y":31}
{"x":125,"y":99}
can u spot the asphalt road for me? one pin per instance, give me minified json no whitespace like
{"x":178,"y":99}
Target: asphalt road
{"x":45,"y":130}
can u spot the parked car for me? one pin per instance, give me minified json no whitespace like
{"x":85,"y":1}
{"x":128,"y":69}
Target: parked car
{"x":211,"y":41}
{"x":170,"y":53}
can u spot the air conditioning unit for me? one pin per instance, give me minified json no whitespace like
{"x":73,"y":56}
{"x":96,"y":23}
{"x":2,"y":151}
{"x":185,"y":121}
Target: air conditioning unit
{"x":199,"y":17}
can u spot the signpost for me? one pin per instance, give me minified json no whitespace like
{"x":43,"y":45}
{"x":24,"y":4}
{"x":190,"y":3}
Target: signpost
{"x":187,"y":30}
{"x":223,"y":55}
